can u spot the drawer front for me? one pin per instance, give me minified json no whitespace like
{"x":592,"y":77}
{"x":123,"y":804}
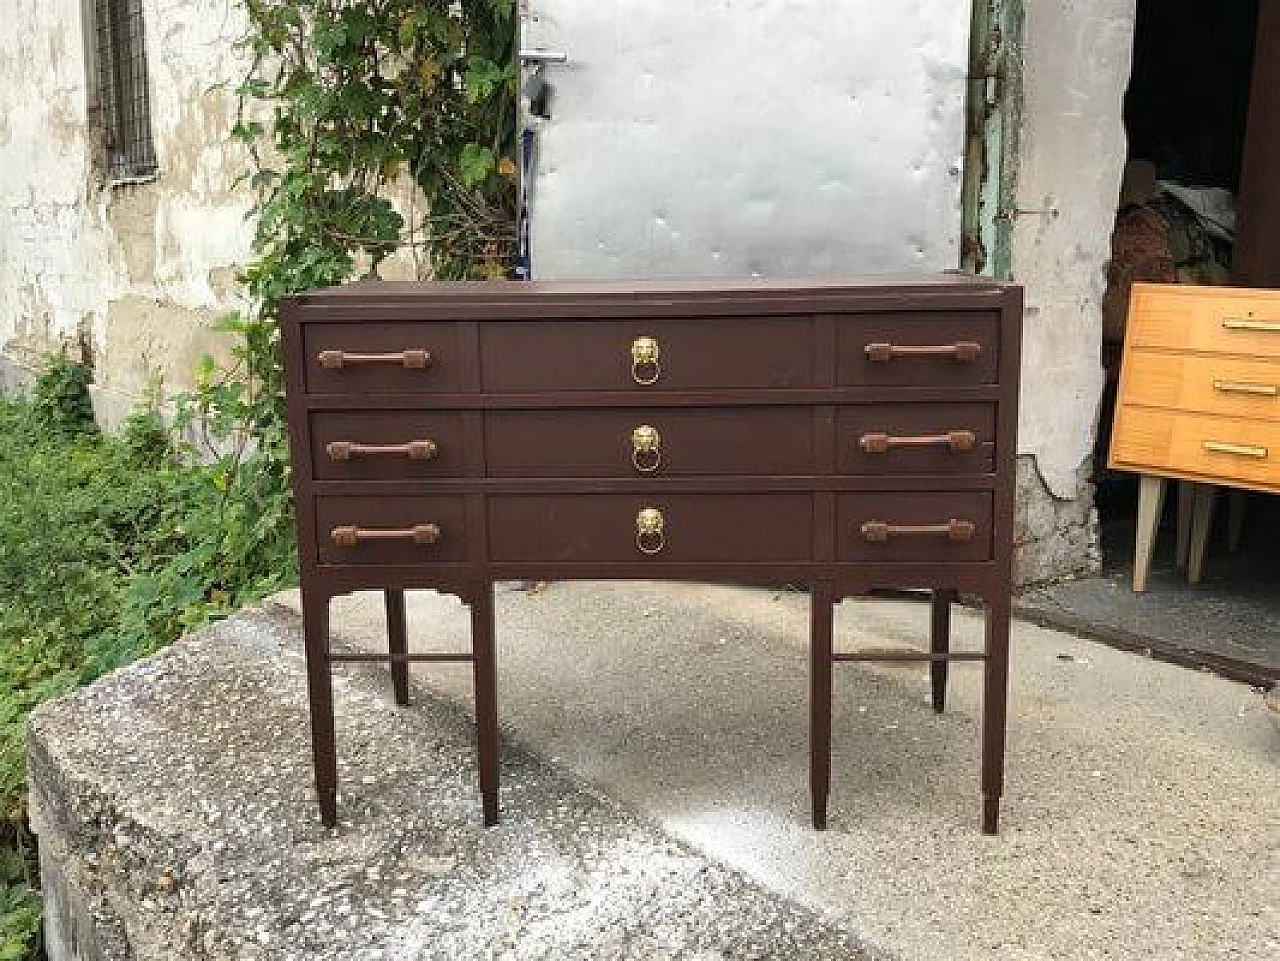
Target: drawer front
{"x":1208,"y":385}
{"x":626,"y":527}
{"x":1211,"y":319}
{"x":949,"y":349}
{"x":386,"y":445}
{"x":917,"y":439}
{"x":378,"y":358}
{"x":1211,"y":447}
{"x":649,"y":442}
{"x":739,"y":352}
{"x":902,"y":526}
{"x":390,"y":530}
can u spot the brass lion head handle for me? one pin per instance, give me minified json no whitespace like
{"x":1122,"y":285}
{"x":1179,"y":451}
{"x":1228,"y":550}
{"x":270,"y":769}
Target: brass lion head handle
{"x":650,"y":534}
{"x":646,"y":358}
{"x":646,"y":449}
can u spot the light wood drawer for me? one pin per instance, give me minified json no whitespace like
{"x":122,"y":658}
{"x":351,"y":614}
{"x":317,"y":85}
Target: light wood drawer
{"x":1221,"y":320}
{"x":1207,"y":385}
{"x":1240,"y":452}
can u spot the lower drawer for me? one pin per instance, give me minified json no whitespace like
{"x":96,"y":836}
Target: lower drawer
{"x":390,"y":530}
{"x":911,"y":526}
{"x":1214,"y":448}
{"x":626,"y":527}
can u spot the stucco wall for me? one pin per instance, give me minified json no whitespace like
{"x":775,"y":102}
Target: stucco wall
{"x":129,"y":276}
{"x":1075,"y":62}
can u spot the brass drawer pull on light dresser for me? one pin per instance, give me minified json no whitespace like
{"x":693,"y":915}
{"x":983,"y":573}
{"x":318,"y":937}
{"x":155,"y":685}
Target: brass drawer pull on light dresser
{"x":1244,"y":323}
{"x":1239,"y":450}
{"x":849,"y":437}
{"x":1261,"y":390}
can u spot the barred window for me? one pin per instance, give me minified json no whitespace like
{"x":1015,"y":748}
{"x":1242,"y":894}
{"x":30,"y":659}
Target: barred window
{"x":121,"y":59}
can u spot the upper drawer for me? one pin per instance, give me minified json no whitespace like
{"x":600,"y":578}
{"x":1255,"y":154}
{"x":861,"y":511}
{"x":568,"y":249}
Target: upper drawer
{"x":386,"y":444}
{"x":378,"y":358}
{"x":1212,"y":319}
{"x":1210,"y":385}
{"x":649,"y":442}
{"x":660,"y":355}
{"x":917,"y":439}
{"x":1218,"y":448}
{"x":919,"y":349}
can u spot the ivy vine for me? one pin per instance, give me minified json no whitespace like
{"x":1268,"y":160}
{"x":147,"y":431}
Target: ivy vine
{"x":373,"y":126}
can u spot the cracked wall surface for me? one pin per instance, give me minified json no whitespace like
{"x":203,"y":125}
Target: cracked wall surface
{"x":1075,"y":65}
{"x":131,"y":277}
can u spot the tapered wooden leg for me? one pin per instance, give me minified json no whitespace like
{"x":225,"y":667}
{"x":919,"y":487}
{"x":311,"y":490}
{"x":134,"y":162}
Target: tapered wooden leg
{"x":1150,"y":501}
{"x":315,"y":623}
{"x":486,"y":685}
{"x":1186,"y":499}
{"x":398,"y":644}
{"x":1201,"y":523}
{"x":994,"y":697}
{"x":940,"y":643}
{"x":821,"y":611}
{"x":1237,"y":501}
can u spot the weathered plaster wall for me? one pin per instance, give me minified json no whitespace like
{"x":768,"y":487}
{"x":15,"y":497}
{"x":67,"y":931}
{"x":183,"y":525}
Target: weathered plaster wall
{"x":129,"y":276}
{"x":1075,"y":62}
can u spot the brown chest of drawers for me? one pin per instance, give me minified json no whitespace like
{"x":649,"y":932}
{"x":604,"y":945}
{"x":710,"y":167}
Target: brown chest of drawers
{"x":849,"y":436}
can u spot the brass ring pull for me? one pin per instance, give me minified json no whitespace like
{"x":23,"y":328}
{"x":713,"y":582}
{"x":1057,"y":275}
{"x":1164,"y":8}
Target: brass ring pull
{"x":650,"y":537}
{"x":345,"y":450}
{"x":646,"y":449}
{"x":879,"y":532}
{"x":646,"y":365}
{"x":341,"y":359}
{"x":957,"y":441}
{"x":962,"y":352}
{"x":348,"y":535}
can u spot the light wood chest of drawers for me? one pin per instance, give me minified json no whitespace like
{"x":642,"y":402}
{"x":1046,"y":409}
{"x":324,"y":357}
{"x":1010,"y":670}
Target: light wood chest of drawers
{"x":848,"y":437}
{"x":1200,"y":386}
{"x":1199,"y":396}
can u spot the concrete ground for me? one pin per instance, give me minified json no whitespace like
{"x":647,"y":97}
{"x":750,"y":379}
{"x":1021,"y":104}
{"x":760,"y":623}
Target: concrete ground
{"x":1141,"y":817}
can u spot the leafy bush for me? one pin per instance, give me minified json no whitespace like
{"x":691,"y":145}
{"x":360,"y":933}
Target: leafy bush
{"x":110,"y":548}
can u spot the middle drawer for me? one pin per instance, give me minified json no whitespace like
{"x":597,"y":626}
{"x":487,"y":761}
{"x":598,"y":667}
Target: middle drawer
{"x":661,"y":441}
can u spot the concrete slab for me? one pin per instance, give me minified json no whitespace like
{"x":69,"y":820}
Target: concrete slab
{"x":1142,"y":815}
{"x":177,"y":821}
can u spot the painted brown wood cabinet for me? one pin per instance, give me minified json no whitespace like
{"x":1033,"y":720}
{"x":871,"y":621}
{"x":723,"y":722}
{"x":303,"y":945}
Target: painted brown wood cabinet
{"x":847,"y":436}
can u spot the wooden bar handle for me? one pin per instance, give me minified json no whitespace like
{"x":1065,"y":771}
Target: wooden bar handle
{"x":878,"y":532}
{"x":1248,"y":323}
{"x":964,"y":352}
{"x":344,"y":450}
{"x":349,"y":535}
{"x":341,"y":359}
{"x":957,"y":441}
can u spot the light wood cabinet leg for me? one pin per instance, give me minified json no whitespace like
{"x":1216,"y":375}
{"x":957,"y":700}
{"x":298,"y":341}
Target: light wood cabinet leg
{"x":1150,"y":501}
{"x":1201,"y":523}
{"x":1237,"y":500}
{"x":1186,"y":506}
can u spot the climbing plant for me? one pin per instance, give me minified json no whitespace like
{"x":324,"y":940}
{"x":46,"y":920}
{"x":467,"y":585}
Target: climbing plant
{"x":373,"y":126}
